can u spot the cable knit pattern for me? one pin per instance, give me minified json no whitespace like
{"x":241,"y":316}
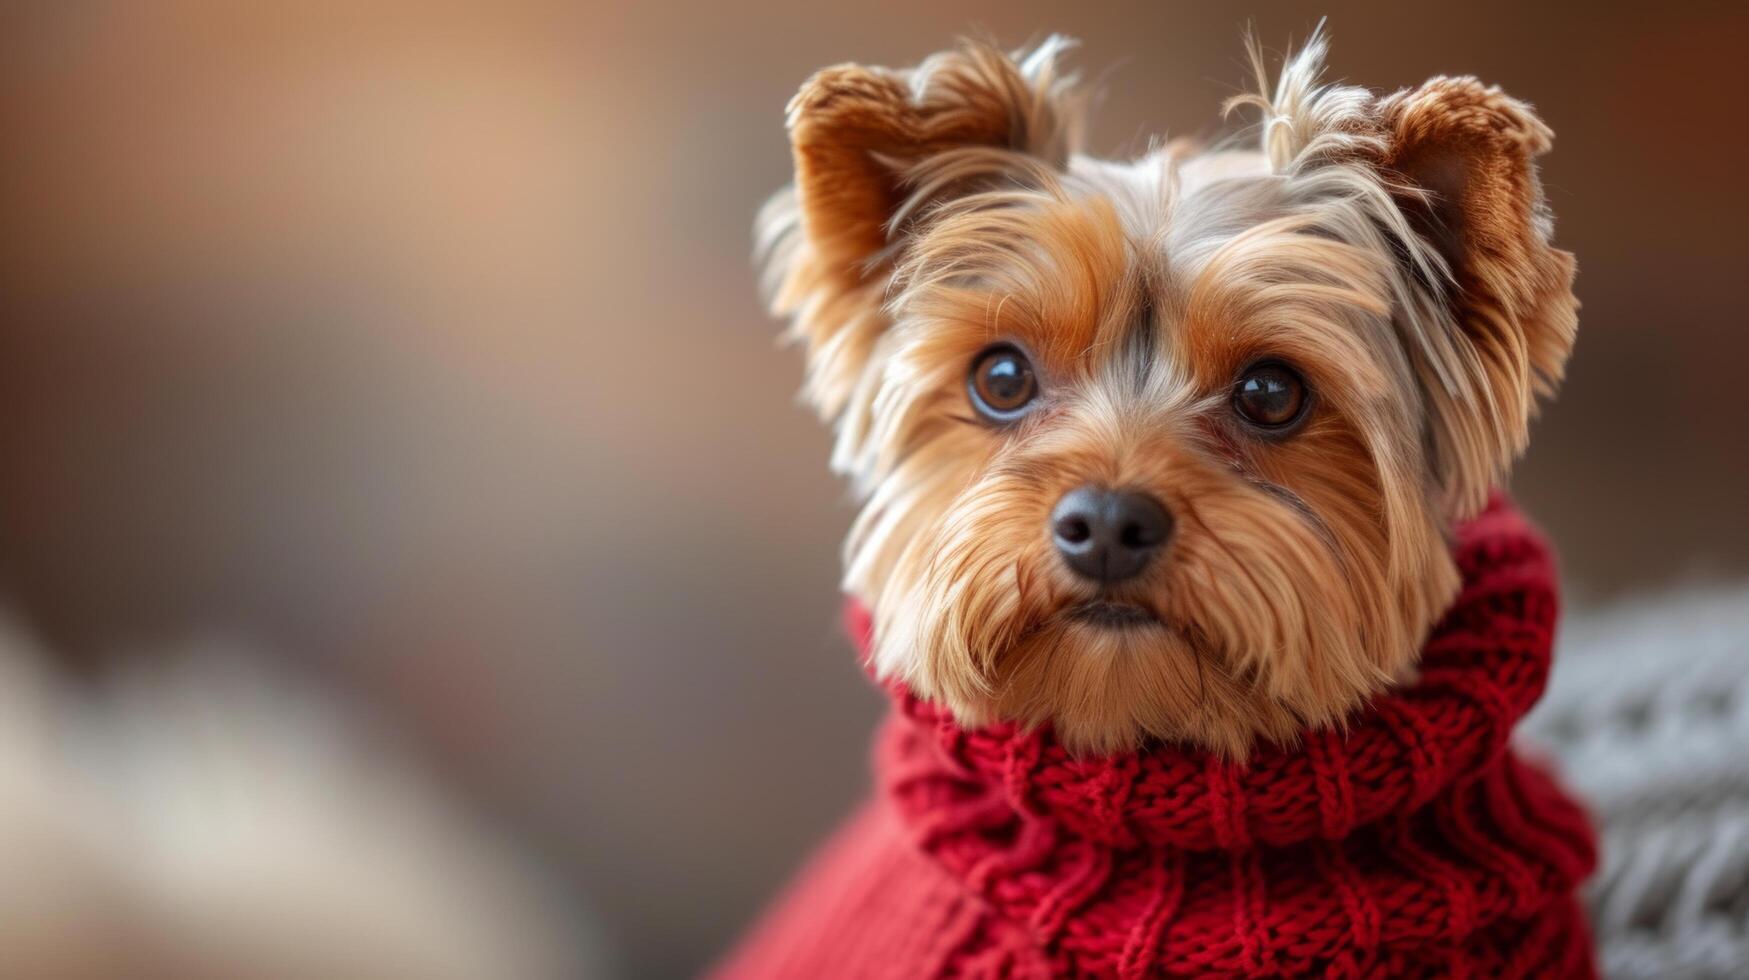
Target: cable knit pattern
{"x":1649,"y":715}
{"x":1414,"y":843}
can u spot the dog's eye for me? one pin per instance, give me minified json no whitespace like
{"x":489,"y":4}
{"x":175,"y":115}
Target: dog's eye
{"x":1002,"y":383}
{"x":1270,"y":396}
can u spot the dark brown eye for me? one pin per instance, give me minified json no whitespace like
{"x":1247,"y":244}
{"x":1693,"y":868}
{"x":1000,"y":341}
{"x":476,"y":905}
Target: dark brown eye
{"x":1002,"y":383}
{"x":1270,"y":396}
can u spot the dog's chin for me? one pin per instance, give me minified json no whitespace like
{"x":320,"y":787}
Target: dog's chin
{"x":1111,"y":675}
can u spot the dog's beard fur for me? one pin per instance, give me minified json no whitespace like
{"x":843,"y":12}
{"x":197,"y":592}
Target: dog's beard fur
{"x":938,"y":211}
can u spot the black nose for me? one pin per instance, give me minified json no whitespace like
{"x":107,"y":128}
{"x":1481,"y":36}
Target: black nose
{"x":1109,"y":535}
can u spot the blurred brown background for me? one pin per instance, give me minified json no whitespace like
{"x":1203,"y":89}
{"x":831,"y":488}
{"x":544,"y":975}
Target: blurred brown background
{"x":423,"y":342}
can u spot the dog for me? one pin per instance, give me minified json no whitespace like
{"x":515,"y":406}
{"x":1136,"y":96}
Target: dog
{"x":1180,"y":546}
{"x":1168,"y":448}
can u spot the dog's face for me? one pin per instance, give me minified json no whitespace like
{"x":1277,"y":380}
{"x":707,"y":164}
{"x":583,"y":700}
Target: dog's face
{"x":1167,"y":448}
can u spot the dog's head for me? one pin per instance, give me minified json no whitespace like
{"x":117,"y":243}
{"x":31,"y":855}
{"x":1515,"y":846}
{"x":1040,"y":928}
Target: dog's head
{"x":1171,"y":447}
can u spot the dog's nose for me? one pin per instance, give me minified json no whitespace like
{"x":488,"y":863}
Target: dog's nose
{"x":1109,"y":535}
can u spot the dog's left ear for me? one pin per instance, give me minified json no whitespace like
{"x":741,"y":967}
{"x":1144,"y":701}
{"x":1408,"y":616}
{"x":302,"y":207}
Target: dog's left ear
{"x":1461,"y":157}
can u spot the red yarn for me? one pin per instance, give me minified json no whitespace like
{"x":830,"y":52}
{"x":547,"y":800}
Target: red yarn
{"x":1415,"y":843}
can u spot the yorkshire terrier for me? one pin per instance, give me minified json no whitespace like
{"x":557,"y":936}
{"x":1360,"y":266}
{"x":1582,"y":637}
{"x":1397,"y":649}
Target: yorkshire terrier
{"x":1168,"y":449}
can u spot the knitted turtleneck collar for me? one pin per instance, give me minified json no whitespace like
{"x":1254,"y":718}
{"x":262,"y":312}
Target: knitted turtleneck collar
{"x":1415,"y":841}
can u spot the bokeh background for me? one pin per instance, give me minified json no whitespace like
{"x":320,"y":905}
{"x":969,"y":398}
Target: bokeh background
{"x":421,"y":345}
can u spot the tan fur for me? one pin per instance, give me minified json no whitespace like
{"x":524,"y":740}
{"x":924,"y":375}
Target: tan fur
{"x":1394,"y":250}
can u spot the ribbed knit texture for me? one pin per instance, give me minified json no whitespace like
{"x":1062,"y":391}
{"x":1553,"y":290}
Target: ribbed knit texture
{"x":1415,"y":843}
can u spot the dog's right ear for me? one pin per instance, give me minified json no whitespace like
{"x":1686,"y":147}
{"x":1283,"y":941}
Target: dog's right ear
{"x":874,"y":149}
{"x":857,"y":132}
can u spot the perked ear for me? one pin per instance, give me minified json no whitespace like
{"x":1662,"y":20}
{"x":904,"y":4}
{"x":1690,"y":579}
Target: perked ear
{"x":856,"y":131}
{"x":874,"y":148}
{"x":1462,"y":157}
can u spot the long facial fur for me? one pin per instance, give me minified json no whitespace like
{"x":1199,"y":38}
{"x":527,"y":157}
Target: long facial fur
{"x":941,"y":209}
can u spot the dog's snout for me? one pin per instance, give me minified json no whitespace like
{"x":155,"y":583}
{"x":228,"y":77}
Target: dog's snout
{"x":1109,"y":535}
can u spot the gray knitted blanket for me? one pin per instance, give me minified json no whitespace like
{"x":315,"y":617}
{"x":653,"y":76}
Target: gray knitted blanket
{"x":1647,"y":714}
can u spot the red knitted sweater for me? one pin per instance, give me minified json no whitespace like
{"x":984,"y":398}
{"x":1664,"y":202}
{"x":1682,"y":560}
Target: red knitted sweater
{"x":1417,"y":843}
